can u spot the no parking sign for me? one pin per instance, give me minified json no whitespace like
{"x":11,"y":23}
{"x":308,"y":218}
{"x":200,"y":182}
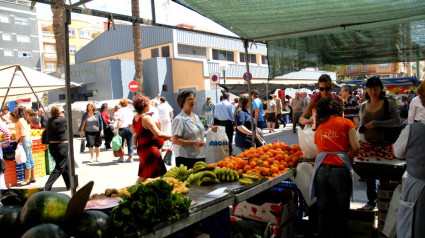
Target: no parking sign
{"x":214,"y":78}
{"x":246,"y":77}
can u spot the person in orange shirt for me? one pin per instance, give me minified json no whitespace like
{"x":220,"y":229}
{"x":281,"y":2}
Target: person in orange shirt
{"x":332,"y":183}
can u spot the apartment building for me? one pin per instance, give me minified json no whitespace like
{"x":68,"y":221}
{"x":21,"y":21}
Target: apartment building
{"x":19,"y":35}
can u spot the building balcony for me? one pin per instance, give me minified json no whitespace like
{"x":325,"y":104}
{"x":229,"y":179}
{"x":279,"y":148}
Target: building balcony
{"x":50,"y":55}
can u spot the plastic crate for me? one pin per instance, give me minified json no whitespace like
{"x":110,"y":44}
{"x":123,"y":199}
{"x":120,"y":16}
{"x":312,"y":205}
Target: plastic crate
{"x":20,"y":171}
{"x":302,"y":209}
{"x":10,"y":177}
{"x":9,"y":149}
{"x":40,"y":166}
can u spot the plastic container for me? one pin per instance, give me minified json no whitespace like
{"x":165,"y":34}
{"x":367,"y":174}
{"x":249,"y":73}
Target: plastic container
{"x":9,"y":149}
{"x":302,"y":207}
{"x":10,"y":177}
{"x":19,"y":170}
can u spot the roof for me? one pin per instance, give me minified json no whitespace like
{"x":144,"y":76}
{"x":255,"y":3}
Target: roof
{"x":316,"y":33}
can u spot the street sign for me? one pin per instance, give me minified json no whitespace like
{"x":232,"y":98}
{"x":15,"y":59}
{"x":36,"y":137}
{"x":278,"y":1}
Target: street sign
{"x":133,"y":86}
{"x":214,"y":78}
{"x":245,"y":76}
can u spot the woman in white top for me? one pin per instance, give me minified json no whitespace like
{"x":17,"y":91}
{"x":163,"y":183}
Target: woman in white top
{"x":417,"y":105}
{"x":187,"y":132}
{"x":124,"y":120}
{"x":271,"y":113}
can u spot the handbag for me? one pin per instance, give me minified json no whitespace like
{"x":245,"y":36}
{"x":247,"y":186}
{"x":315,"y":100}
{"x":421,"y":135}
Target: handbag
{"x":390,"y":134}
{"x":2,"y":165}
{"x":119,"y":153}
{"x":44,"y":139}
{"x":168,"y":156}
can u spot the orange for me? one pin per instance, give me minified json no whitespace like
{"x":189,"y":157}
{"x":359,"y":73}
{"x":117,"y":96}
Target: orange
{"x":240,"y":171}
{"x":246,"y":168}
{"x":274,"y":175}
{"x":253,"y":164}
{"x":266,"y":164}
{"x":230,"y":166}
{"x":274,"y":169}
{"x":265,"y":171}
{"x":281,"y":167}
{"x":290,"y":164}
{"x":220,"y":163}
{"x":265,"y":148}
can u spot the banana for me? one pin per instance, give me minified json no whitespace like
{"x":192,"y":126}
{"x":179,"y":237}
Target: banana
{"x":189,"y":171}
{"x":245,"y":181}
{"x":201,"y":163}
{"x":208,"y":180}
{"x":209,"y":174}
{"x":247,"y":176}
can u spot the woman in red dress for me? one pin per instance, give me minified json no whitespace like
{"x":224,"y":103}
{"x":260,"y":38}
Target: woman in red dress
{"x":149,"y":141}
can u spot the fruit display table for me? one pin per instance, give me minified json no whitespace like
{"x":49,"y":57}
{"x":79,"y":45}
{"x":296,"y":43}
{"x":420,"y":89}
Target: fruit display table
{"x":204,"y":207}
{"x":373,"y":168}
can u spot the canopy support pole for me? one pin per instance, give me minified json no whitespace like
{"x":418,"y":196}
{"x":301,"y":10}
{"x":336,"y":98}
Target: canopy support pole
{"x":418,"y":71}
{"x":71,"y":163}
{"x":253,"y":131}
{"x":38,"y":100}
{"x":10,"y":84}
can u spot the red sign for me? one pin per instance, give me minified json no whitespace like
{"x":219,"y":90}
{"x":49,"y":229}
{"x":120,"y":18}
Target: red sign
{"x":245,"y":76}
{"x":133,"y":86}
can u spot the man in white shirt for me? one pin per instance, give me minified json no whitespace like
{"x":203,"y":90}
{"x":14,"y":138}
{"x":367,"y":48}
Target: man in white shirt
{"x":158,"y":99}
{"x":165,"y":112}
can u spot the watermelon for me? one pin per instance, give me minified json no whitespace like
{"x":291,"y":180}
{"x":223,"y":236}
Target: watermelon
{"x":46,"y":231}
{"x":90,"y":224}
{"x":9,"y":221}
{"x":43,"y":207}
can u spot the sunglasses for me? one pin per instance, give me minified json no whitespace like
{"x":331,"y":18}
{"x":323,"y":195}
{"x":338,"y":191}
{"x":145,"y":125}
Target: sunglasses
{"x":327,"y":88}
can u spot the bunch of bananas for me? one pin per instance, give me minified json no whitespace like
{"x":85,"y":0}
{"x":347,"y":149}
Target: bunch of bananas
{"x":200,"y":166}
{"x":226,"y":174}
{"x":203,"y":177}
{"x":179,"y":187}
{"x":179,"y":173}
{"x":249,"y":178}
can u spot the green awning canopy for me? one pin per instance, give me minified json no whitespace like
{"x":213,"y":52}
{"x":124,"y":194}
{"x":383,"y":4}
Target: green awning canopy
{"x":324,"y":32}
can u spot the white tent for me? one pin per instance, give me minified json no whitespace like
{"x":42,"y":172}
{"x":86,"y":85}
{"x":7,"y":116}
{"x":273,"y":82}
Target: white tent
{"x":17,"y":82}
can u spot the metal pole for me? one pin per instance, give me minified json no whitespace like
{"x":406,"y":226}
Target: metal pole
{"x":216,"y":94}
{"x":224,"y":76}
{"x":254,"y":132}
{"x":418,"y":71}
{"x":71,"y":163}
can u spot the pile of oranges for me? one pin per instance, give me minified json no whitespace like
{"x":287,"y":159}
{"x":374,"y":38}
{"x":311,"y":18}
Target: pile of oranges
{"x":270,"y":161}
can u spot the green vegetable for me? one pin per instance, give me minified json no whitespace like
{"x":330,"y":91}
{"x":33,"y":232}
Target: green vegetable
{"x":146,"y":206}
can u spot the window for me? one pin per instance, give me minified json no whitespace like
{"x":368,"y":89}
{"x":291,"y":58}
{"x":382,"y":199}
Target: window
{"x":21,"y":21}
{"x":165,"y":51}
{"x":50,"y":66}
{"x":164,"y":88}
{"x":24,"y":54}
{"x":6,"y":37}
{"x":71,"y":32}
{"x":84,"y":33}
{"x":50,"y":48}
{"x":383,"y":66}
{"x":364,"y":68}
{"x":23,"y":38}
{"x":252,"y":58}
{"x":223,"y":55}
{"x":4,"y":18}
{"x":8,"y":53}
{"x":264,"y":59}
{"x":61,"y":96}
{"x":192,"y":51}
{"x":352,"y":69}
{"x":154,"y":53}
{"x":72,"y":49}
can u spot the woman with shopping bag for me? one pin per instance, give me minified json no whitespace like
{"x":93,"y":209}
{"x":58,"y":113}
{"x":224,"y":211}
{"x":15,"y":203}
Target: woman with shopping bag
{"x":58,"y":146}
{"x":243,"y":137}
{"x":332,"y":182}
{"x":23,"y":138}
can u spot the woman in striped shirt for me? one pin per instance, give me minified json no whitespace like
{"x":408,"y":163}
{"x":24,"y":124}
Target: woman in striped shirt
{"x":4,"y":144}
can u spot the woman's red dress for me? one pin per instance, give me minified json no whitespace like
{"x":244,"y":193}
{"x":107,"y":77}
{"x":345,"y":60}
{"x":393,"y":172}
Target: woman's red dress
{"x":151,"y":164}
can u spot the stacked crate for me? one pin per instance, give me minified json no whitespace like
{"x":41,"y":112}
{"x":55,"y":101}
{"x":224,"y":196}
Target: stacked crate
{"x":385,"y":193}
{"x":20,"y":172}
{"x":38,"y":155}
{"x":10,"y":177}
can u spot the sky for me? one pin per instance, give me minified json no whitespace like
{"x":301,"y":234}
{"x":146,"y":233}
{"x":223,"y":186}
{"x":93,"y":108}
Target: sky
{"x":167,"y":12}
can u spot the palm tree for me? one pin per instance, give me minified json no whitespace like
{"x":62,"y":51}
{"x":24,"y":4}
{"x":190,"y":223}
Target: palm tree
{"x":137,"y":41}
{"x":58,"y":30}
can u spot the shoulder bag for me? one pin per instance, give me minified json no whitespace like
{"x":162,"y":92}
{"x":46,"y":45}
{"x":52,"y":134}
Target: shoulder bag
{"x":44,"y":139}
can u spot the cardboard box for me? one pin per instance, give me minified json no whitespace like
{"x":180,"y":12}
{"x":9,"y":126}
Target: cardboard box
{"x":361,"y":223}
{"x":385,"y":194}
{"x":277,"y":213}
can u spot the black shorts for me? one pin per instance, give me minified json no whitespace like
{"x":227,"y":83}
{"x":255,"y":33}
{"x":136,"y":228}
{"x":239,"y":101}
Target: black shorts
{"x":271,"y":117}
{"x":93,"y":139}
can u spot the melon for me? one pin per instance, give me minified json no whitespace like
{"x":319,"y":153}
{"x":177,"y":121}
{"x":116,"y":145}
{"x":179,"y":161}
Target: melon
{"x":46,"y":231}
{"x":9,"y":220}
{"x":90,"y":224}
{"x":43,"y":207}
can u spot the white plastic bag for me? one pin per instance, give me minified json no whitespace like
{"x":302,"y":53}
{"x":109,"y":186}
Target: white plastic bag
{"x":303,"y":181}
{"x":77,"y":156}
{"x":217,"y":146}
{"x":20,"y":156}
{"x":306,"y":140}
{"x":360,"y":136}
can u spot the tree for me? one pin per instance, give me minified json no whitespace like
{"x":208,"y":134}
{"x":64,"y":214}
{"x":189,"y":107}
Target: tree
{"x":137,"y":42}
{"x":58,"y":30}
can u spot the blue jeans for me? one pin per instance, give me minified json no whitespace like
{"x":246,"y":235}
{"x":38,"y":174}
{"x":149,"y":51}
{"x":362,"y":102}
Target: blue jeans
{"x":333,"y":189}
{"x":126,"y":134}
{"x":27,"y":145}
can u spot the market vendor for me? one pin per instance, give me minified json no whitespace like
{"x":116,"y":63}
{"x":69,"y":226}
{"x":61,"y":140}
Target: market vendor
{"x":411,"y":210}
{"x":187,"y":132}
{"x":5,"y":114}
{"x":377,"y":115}
{"x":332,"y":183}
{"x":325,"y":87}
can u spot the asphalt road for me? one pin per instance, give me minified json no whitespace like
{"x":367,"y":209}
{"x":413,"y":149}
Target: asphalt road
{"x":108,"y":173}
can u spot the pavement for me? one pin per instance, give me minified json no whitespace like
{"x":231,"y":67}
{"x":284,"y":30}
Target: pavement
{"x":109,"y":173}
